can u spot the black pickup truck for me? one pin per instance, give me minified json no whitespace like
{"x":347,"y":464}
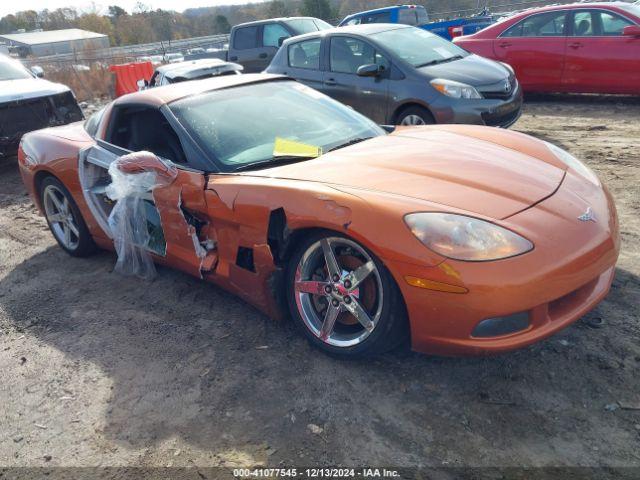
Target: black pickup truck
{"x":254,"y":44}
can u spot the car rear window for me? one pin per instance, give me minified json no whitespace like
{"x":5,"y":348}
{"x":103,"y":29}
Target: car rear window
{"x":305,"y":54}
{"x":307,"y":25}
{"x":550,"y":24}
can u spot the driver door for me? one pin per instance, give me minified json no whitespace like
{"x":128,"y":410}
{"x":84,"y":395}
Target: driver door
{"x":367,"y":95}
{"x":176,"y":213}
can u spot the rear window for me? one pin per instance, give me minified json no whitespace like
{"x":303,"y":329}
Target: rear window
{"x":408,"y":16}
{"x":384,"y":17}
{"x":245,"y":38}
{"x":305,"y":54}
{"x":550,"y":24}
{"x":307,"y":25}
{"x":13,"y":70}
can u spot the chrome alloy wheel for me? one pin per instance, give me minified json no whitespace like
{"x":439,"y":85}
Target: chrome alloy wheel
{"x":60,"y":217}
{"x":410,"y":120}
{"x":338,"y":291}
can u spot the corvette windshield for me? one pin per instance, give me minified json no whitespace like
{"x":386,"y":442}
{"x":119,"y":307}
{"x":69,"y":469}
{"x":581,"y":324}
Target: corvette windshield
{"x":417,"y":47}
{"x":269,"y":122}
{"x":13,"y":71}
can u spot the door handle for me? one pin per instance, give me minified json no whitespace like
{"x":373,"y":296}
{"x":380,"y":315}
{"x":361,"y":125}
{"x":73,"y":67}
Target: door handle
{"x":233,"y":59}
{"x":331,"y":82}
{"x":504,"y":44}
{"x":263,"y":55}
{"x":576,"y":45}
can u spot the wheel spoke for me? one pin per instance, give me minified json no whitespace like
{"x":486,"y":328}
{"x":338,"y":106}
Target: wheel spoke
{"x":357,"y":311}
{"x":330,"y":259}
{"x":65,"y":205}
{"x":56,"y":218}
{"x":56,"y":202}
{"x":73,"y":228}
{"x":357,"y":276}
{"x":329,"y":321}
{"x":312,"y":287}
{"x":67,"y":234}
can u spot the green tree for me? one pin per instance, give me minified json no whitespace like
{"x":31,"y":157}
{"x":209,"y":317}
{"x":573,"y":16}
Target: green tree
{"x":221,"y":24}
{"x":116,"y":12}
{"x":317,"y":8}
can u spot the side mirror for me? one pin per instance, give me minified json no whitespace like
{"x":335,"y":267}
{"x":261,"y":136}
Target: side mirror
{"x":281,"y":41}
{"x":370,"y":70}
{"x":142,"y":84}
{"x":37,"y":71}
{"x":631,"y":31}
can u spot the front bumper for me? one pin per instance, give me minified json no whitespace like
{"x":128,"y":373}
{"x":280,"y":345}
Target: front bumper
{"x":492,"y":112}
{"x":567,"y":274}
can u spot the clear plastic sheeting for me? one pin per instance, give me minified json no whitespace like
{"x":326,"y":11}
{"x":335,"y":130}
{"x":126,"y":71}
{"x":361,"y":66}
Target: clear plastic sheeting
{"x":134,"y":221}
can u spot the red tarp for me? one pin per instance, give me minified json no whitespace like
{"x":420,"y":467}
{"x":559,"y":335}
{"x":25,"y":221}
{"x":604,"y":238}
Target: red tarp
{"x":128,"y":74}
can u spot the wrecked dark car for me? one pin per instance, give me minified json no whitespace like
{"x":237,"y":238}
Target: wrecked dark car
{"x":28,"y":102}
{"x":460,"y":239}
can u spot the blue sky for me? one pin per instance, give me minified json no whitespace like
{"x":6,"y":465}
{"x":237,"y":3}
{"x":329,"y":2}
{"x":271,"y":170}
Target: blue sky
{"x":7,"y":7}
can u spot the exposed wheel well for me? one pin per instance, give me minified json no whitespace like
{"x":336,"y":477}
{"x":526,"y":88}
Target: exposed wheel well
{"x":37,"y":182}
{"x":406,"y":106}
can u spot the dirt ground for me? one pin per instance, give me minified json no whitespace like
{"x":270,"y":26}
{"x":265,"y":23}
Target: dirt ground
{"x":101,"y":370}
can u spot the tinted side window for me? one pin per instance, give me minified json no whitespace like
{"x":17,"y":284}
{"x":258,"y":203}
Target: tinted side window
{"x":245,"y":38}
{"x":272,"y":33}
{"x":550,"y":24}
{"x":349,"y":54}
{"x":305,"y":54}
{"x":376,"y":18}
{"x":583,"y":24}
{"x":613,"y":24}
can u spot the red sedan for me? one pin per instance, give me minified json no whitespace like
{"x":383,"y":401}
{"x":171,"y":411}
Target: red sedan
{"x":578,"y":48}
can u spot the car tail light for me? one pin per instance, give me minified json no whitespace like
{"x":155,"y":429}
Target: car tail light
{"x":455,"y":31}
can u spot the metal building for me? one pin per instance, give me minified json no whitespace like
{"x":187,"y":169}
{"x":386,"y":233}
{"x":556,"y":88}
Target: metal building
{"x":55,"y":42}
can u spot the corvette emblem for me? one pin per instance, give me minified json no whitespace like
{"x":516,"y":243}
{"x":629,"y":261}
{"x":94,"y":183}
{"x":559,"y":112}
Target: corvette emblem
{"x":588,"y":216}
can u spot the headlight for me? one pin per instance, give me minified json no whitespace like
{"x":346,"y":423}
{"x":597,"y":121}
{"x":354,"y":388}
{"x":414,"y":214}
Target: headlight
{"x":573,"y":163}
{"x":465,"y":238}
{"x":454,"y":89}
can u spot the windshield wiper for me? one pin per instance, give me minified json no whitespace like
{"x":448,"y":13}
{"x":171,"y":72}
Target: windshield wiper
{"x":353,"y":141}
{"x":274,"y":161}
{"x":440,"y":60}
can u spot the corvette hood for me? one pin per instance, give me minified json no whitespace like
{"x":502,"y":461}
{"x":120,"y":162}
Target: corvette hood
{"x":12,"y":90}
{"x":475,"y":169}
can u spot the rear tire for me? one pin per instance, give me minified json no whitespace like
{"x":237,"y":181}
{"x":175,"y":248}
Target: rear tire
{"x":64,"y":219}
{"x":358,"y":315}
{"x":414,"y":116}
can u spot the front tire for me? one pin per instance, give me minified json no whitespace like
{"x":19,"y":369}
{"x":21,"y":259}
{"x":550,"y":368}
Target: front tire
{"x":342,"y":297}
{"x":64,"y":219}
{"x":415,"y":116}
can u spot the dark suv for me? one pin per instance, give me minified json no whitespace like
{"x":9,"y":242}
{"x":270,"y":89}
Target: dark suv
{"x":402,"y":75}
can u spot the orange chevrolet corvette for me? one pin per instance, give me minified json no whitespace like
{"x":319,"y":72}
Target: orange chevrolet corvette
{"x":463,"y":239}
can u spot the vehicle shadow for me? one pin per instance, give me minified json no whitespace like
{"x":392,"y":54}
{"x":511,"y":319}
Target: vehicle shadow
{"x":186,"y":360}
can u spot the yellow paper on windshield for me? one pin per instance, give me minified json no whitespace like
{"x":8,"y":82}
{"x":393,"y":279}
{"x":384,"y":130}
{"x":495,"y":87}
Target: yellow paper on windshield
{"x":291,"y":148}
